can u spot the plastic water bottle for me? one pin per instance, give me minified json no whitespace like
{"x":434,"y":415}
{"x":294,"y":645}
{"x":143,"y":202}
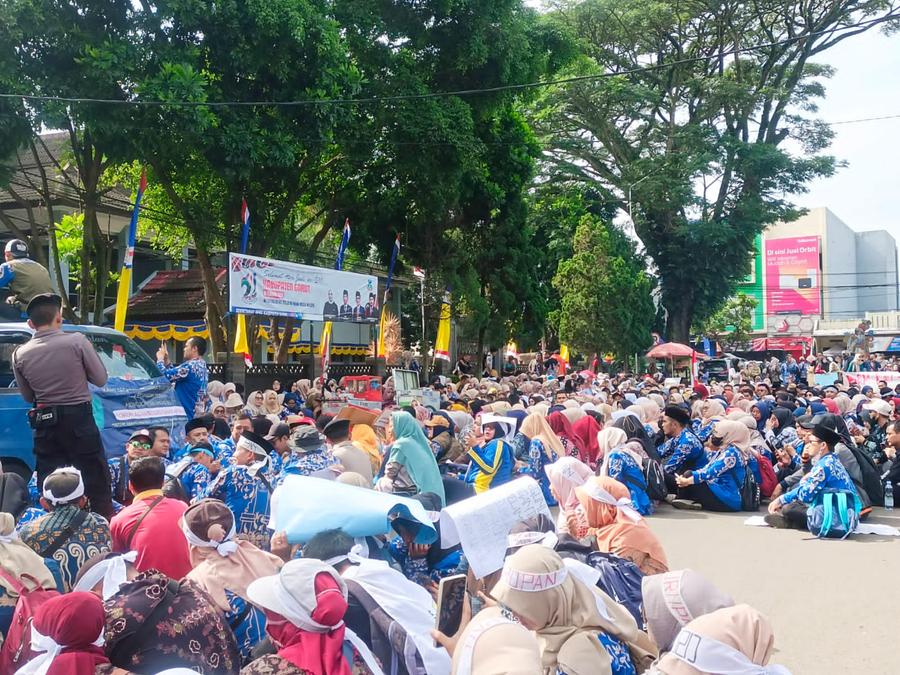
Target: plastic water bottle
{"x":888,"y":496}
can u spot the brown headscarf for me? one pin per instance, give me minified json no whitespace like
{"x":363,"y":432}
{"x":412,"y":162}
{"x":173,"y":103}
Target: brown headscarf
{"x":711,"y":408}
{"x":616,"y":532}
{"x":492,"y":645}
{"x":734,"y":433}
{"x":741,"y":627}
{"x":536,"y":426}
{"x":18,"y":560}
{"x":567,"y":614}
{"x":222,"y":562}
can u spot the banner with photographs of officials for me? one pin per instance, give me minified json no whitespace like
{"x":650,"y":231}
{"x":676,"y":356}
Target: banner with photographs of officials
{"x":278,"y":288}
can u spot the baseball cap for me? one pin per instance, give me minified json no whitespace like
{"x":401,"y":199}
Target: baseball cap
{"x":306,"y":437}
{"x":278,"y":431}
{"x":16,"y":247}
{"x":140,"y":433}
{"x":881,"y":407}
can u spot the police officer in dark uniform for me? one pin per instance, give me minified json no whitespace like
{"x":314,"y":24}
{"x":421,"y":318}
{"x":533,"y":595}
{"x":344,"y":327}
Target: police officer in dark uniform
{"x":52,"y":372}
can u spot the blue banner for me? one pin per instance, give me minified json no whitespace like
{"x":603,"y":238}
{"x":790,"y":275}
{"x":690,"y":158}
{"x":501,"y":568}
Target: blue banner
{"x":121,"y":407}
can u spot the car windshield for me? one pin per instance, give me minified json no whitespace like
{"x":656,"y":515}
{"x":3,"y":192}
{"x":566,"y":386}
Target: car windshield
{"x":122,"y":358}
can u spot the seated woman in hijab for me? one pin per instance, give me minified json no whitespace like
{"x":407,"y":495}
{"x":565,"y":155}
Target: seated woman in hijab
{"x":493,"y":644}
{"x":424,"y":564}
{"x":305,"y":605}
{"x":16,"y":560}
{"x":717,"y":486}
{"x":586,"y":430}
{"x":579,"y":628}
{"x":617,"y":527}
{"x":561,"y":426}
{"x":674,"y":599}
{"x":711,"y":410}
{"x":565,"y":475}
{"x":544,"y":448}
{"x":780,"y":432}
{"x":636,"y":433}
{"x":70,"y":630}
{"x":622,"y":462}
{"x":225,"y":566}
{"x":154,"y":623}
{"x":736,"y":639}
{"x":491,"y":454}
{"x":441,"y":430}
{"x":411,"y":467}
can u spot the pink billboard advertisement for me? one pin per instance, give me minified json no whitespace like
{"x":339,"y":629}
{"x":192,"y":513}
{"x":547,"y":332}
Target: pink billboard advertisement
{"x":793,"y":276}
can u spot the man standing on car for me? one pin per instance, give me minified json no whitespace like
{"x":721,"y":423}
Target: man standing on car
{"x":190,"y":377}
{"x":52,"y":371}
{"x":24,"y":278}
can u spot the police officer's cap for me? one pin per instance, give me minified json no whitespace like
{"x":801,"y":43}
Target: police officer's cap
{"x":337,"y":429}
{"x":41,"y":300}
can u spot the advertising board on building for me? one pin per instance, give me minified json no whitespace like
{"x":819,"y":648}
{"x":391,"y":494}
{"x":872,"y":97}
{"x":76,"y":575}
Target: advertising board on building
{"x":793,"y":277}
{"x":277,"y":288}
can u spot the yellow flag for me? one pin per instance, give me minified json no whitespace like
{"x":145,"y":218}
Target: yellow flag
{"x":325,"y":342}
{"x":379,"y":345}
{"x":442,"y":343}
{"x":241,"y":342}
{"x":122,"y":298}
{"x":564,"y":353}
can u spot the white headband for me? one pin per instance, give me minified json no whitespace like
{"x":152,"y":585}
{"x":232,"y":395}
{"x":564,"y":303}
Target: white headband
{"x":624,"y":504}
{"x":533,"y":582}
{"x":519,"y":539}
{"x":711,"y":656}
{"x":358,"y":552}
{"x":50,"y":648}
{"x":468,"y":647}
{"x":224,"y":548}
{"x":252,"y":446}
{"x":76,"y":493}
{"x":672,"y":583}
{"x":112,"y":572}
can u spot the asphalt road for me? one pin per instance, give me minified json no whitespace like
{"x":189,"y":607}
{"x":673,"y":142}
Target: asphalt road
{"x":833,"y":604}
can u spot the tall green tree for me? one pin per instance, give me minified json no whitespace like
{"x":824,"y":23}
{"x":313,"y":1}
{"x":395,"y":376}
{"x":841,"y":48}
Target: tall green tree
{"x":690,"y":139}
{"x":604,"y":290}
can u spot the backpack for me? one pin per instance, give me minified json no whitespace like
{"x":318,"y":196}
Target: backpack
{"x":768,"y":479}
{"x":16,"y":649}
{"x":834,"y":515}
{"x":655,"y":479}
{"x":750,"y":496}
{"x":620,"y":579}
{"x":871,"y":477}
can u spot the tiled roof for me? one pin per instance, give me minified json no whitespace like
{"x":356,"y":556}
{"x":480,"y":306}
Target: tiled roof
{"x":171,"y":295}
{"x":53,"y":152}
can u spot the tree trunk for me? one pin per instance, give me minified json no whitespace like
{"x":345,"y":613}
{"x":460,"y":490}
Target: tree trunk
{"x":284,"y":344}
{"x":678,"y":324}
{"x":215,"y":315}
{"x":87,"y":245}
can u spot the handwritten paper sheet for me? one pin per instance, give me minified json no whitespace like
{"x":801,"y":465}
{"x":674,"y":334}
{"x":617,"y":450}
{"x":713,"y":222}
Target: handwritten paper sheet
{"x":482,"y":523}
{"x":303,"y":506}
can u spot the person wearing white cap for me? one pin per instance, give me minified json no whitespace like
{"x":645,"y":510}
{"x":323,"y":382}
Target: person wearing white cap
{"x":880,"y":414}
{"x":246,"y":487}
{"x":68,"y":534}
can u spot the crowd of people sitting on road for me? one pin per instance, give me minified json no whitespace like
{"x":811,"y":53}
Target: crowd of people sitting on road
{"x":189,"y":574}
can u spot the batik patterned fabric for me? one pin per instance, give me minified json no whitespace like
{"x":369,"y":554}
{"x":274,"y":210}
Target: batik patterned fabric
{"x":248,"y":631}
{"x":682,"y":452}
{"x":305,"y":464}
{"x":827,"y":473}
{"x":624,"y":469}
{"x":248,"y":497}
{"x":537,"y":460}
{"x":191,"y":633}
{"x":89,"y":539}
{"x":190,"y":379}
{"x":724,"y":473}
{"x":418,"y":570}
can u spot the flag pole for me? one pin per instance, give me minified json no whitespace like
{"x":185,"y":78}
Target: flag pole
{"x":424,"y":341}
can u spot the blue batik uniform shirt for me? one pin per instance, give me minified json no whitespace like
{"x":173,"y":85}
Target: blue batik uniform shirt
{"x":725,"y":476}
{"x":827,"y":474}
{"x":190,"y":378}
{"x":685,"y":451}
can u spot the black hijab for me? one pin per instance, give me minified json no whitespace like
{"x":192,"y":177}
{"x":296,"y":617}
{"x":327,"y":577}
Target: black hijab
{"x":635,"y":431}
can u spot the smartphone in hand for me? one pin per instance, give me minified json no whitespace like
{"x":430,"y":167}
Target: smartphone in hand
{"x":450,"y":598}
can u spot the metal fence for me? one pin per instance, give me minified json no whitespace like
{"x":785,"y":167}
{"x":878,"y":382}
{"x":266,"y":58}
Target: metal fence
{"x":260,"y":376}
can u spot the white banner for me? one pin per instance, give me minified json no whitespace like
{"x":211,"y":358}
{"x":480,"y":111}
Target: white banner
{"x":278,"y":288}
{"x":872,"y":379}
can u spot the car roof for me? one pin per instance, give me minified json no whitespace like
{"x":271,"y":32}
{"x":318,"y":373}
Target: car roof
{"x":21,"y":326}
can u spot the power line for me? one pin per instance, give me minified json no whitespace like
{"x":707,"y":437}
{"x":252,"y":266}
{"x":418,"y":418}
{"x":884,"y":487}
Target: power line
{"x":460,"y":92}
